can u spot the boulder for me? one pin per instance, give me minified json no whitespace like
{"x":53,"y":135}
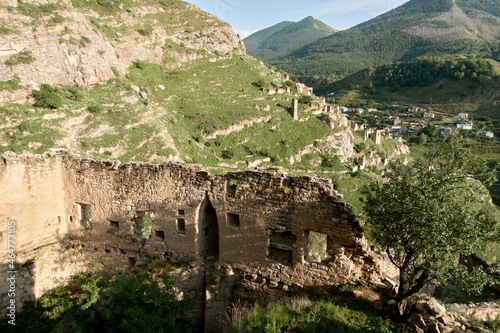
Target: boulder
{"x":434,"y":308}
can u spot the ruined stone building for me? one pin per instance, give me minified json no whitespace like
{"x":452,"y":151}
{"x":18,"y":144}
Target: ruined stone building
{"x":241,"y":234}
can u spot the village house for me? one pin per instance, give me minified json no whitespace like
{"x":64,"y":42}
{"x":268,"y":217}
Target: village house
{"x":418,"y":126}
{"x":447,"y":130}
{"x":429,"y":115}
{"x":486,"y":134}
{"x":464,"y":116}
{"x":416,"y":109}
{"x":467,"y":126}
{"x":396,"y":129}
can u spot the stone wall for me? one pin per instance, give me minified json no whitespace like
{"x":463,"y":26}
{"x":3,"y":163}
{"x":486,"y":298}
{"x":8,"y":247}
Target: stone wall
{"x":242,"y":233}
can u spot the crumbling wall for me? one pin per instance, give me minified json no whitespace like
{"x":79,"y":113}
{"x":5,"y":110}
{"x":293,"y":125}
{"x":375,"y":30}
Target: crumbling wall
{"x":242,"y":233}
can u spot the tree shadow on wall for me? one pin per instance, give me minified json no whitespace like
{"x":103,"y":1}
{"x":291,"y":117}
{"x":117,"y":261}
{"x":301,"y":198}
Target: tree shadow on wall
{"x":17,"y":287}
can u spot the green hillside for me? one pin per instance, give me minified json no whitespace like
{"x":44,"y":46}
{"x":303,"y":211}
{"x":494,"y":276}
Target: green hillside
{"x":284,"y":38}
{"x":458,"y":81}
{"x":179,"y":102}
{"x":417,"y":28}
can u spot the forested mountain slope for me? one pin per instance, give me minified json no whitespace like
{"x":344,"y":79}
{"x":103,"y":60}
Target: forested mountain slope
{"x":286,"y":37}
{"x":417,"y":28}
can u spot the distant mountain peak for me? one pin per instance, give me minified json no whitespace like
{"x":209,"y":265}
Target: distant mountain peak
{"x":286,"y":37}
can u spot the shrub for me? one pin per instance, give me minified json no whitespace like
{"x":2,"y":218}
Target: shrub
{"x":100,"y":301}
{"x":48,"y":97}
{"x":331,"y":162}
{"x":360,"y":147}
{"x":115,"y":71}
{"x":147,"y":30}
{"x":305,"y":99}
{"x":24,"y":126}
{"x":227,"y":154}
{"x":84,"y":41}
{"x":139,"y":64}
{"x":109,"y":4}
{"x":95,"y":108}
{"x":75,"y":93}
{"x":56,"y":19}
{"x":23,"y":57}
{"x":260,"y":84}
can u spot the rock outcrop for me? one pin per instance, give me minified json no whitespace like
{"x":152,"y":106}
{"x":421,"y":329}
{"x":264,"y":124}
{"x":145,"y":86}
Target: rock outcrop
{"x":61,"y":44}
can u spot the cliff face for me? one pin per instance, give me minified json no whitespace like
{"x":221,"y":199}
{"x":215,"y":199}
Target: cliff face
{"x":44,"y":41}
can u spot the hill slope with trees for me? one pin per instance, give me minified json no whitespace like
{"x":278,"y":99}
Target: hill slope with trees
{"x":417,"y":28}
{"x":284,"y":38}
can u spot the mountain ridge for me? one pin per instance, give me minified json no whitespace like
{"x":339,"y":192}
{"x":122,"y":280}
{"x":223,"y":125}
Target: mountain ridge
{"x":416,"y":28}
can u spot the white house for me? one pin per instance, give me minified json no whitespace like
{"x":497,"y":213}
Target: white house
{"x":486,"y":134}
{"x":467,"y":126}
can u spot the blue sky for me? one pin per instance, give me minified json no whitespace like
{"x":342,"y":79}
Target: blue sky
{"x":248,"y":16}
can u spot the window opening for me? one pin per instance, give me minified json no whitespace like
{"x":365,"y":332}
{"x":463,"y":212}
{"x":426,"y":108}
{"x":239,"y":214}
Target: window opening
{"x":181,"y":226}
{"x":142,"y":224}
{"x":86,"y":216}
{"x":114,"y":225}
{"x":233,"y":220}
{"x":132,"y":261}
{"x":159,"y":234}
{"x":281,"y":246}
{"x":317,"y":247}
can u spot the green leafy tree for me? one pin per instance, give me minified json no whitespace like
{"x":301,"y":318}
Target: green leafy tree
{"x":427,"y":213}
{"x":431,"y":131}
{"x":48,"y":97}
{"x":422,"y":139}
{"x":101,"y":301}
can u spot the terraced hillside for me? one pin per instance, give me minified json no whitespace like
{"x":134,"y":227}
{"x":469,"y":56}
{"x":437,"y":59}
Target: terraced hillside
{"x":151,"y":81}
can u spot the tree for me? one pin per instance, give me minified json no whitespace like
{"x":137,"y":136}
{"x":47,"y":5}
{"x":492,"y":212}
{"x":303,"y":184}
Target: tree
{"x":101,"y":301}
{"x":431,"y":131}
{"x":422,"y":139}
{"x":427,"y":213}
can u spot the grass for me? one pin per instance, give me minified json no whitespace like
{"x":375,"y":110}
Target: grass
{"x":453,"y":294}
{"x":23,"y":57}
{"x":331,"y":310}
{"x":36,"y":11}
{"x":12,"y":84}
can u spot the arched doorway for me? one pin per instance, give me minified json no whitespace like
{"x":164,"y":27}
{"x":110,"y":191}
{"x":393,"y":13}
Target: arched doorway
{"x":208,"y":229}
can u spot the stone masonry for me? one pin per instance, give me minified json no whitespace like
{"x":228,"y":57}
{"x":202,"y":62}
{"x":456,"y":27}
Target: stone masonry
{"x":241,"y":234}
